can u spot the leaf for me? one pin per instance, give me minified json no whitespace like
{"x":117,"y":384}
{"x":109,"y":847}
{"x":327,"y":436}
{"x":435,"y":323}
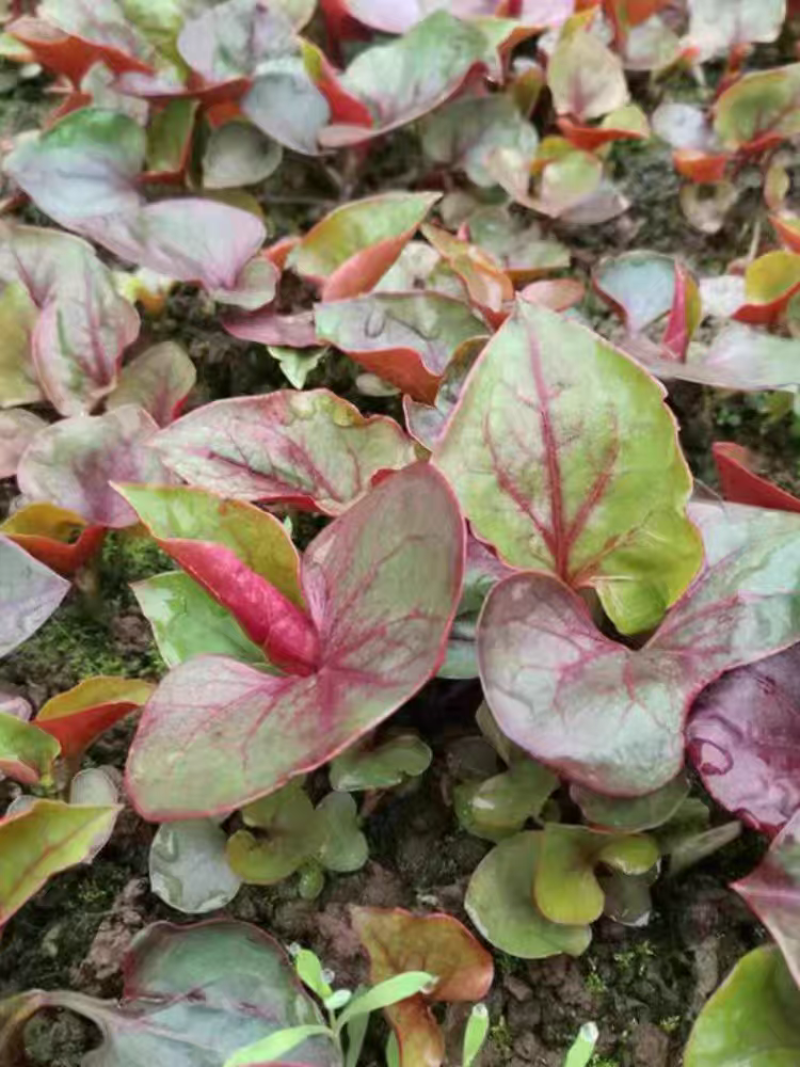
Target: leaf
{"x":169,"y":139}
{"x":640,"y":286}
{"x":610,"y":718}
{"x":500,"y":903}
{"x":239,"y":154}
{"x":500,"y":806}
{"x":213,"y":986}
{"x":289,"y":834}
{"x":37,"y":843}
{"x":82,"y":327}
{"x":741,"y":484}
{"x":717,"y":26}
{"x":30,"y":593}
{"x":286,"y":105}
{"x":581,"y":1051}
{"x":632,"y":814}
{"x":78,"y":717}
{"x":489,"y":287}
{"x":232,"y":39}
{"x":72,"y":463}
{"x":602,"y":508}
{"x":522,"y":251}
{"x":769,"y":284}
{"x":354,"y":246}
{"x":296,"y":366}
{"x":405,"y":79}
{"x":17,"y":430}
{"x":187,"y":621}
{"x":372,"y":765}
{"x":58,"y":538}
{"x":381,"y":615}
{"x":387,"y":993}
{"x":565,"y":886}
{"x":312,"y":449}
{"x":585,"y":77}
{"x":475,"y":1034}
{"x":343,"y":846}
{"x":158,"y":380}
{"x":275,"y":1047}
{"x":397,"y":942}
{"x":405,"y":338}
{"x":743,"y":737}
{"x":759,"y":109}
{"x":752,"y":1017}
{"x":268,"y":328}
{"x":188,"y":868}
{"x":26,"y":754}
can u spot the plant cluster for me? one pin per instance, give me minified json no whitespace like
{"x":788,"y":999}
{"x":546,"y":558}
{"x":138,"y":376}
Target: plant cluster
{"x":498,"y":492}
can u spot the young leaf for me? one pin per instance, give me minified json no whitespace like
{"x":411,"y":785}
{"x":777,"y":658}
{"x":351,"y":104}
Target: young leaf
{"x":604,"y":507}
{"x":26,"y":754}
{"x":475,"y":1034}
{"x":73,"y":462}
{"x":188,"y":869}
{"x":39,"y":842}
{"x":500,"y":806}
{"x":274,"y":1048}
{"x":752,"y":1017}
{"x":312,"y":450}
{"x":158,"y":380}
{"x":78,"y":717}
{"x":381,"y":636}
{"x":310,"y":972}
{"x":289,"y":834}
{"x":382,"y":765}
{"x":343,"y":847}
{"x":610,"y":718}
{"x":58,"y":538}
{"x":30,"y":593}
{"x":583,"y":1047}
{"x":386,"y":993}
{"x":632,"y":814}
{"x":500,"y":903}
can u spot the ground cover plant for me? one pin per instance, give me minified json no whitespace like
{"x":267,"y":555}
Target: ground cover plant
{"x":400,"y":533}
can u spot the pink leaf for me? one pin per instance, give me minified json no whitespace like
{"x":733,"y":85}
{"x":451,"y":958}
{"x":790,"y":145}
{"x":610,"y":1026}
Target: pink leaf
{"x":17,"y":429}
{"x":267,"y":327}
{"x":158,"y":380}
{"x":30,"y":593}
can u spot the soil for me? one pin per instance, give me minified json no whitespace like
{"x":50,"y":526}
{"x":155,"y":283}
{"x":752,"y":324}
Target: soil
{"x":644,"y":987}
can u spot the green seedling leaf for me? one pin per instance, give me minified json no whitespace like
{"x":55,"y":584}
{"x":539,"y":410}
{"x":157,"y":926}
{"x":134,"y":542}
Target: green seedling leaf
{"x":343,"y":848}
{"x":500,"y":903}
{"x":356,"y":1033}
{"x":298,"y":364}
{"x":30,"y":593}
{"x":387,"y":993}
{"x":752,"y":1018}
{"x":27,"y":754}
{"x":566,"y":888}
{"x":188,"y":868}
{"x":370,"y":765}
{"x":462,"y":971}
{"x":500,"y":806}
{"x":289,"y":833}
{"x":583,"y":1047}
{"x":46,"y":838}
{"x":475,"y":1035}
{"x":632,"y":814}
{"x":312,"y":450}
{"x":274,"y":1048}
{"x":604,"y":508}
{"x":310,"y":972}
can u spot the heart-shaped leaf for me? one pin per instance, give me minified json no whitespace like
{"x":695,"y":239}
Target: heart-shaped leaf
{"x":744,"y":739}
{"x":500,"y":903}
{"x":759,"y":109}
{"x":566,"y":888}
{"x":343,"y":847}
{"x":288,"y":834}
{"x":603,"y":507}
{"x":78,"y":717}
{"x":741,"y":484}
{"x":382,"y":583}
{"x":752,"y":1018}
{"x":39,"y":842}
{"x":239,"y":154}
{"x":73,"y":462}
{"x":26,"y":754}
{"x":500,"y":806}
{"x":405,"y":338}
{"x":311,"y":449}
{"x":30,"y":593}
{"x":380,"y":764}
{"x":158,"y":380}
{"x":585,"y":77}
{"x":610,"y":718}
{"x":214,"y":987}
{"x":188,"y":868}
{"x":397,"y":942}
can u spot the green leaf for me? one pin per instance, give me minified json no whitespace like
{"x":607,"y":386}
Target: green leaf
{"x":757,"y":105}
{"x":343,"y":846}
{"x":297,"y":363}
{"x":289,"y":833}
{"x":274,"y":1047}
{"x":309,"y":970}
{"x":187,"y":621}
{"x":500,"y":903}
{"x":632,"y":814}
{"x":475,"y":1035}
{"x":238,"y":154}
{"x":386,"y":993}
{"x":18,"y":314}
{"x":585,"y":77}
{"x":188,"y":869}
{"x":583,"y":1047}
{"x":169,"y":137}
{"x":371,"y":765}
{"x":356,"y":1033}
{"x":753,"y":1019}
{"x":500,"y":806}
{"x":27,"y":753}
{"x":565,"y":458}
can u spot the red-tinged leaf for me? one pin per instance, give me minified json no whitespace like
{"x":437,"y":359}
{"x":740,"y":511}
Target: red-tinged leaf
{"x":741,"y":484}
{"x":382,"y":584}
{"x":685,"y":314}
{"x":60,"y":539}
{"x":585,"y":77}
{"x":267,"y":327}
{"x":425,"y":422}
{"x":401,"y":17}
{"x":354,"y":246}
{"x":80,"y":326}
{"x":558,"y":294}
{"x":743,"y":737}
{"x":17,"y":429}
{"x":787,"y":227}
{"x":397,"y":942}
{"x":343,"y":106}
{"x":158,"y":380}
{"x":640,"y":286}
{"x":285,"y":104}
{"x":39,"y":842}
{"x":522,"y":251}
{"x":67,"y":54}
{"x":203,"y":990}
{"x":701,"y":167}
{"x":628,"y":123}
{"x":26,"y":754}
{"x":760,"y":109}
{"x":488,"y":285}
{"x":30,"y":593}
{"x":407,"y":339}
{"x":242,"y":557}
{"x":232,"y":39}
{"x":78,"y":717}
{"x":597,"y":507}
{"x":770,"y":283}
{"x":311,"y":449}
{"x":772,"y":891}
{"x":717,"y":27}
{"x":72,"y":463}
{"x":610,"y":718}
{"x":401,"y":81}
